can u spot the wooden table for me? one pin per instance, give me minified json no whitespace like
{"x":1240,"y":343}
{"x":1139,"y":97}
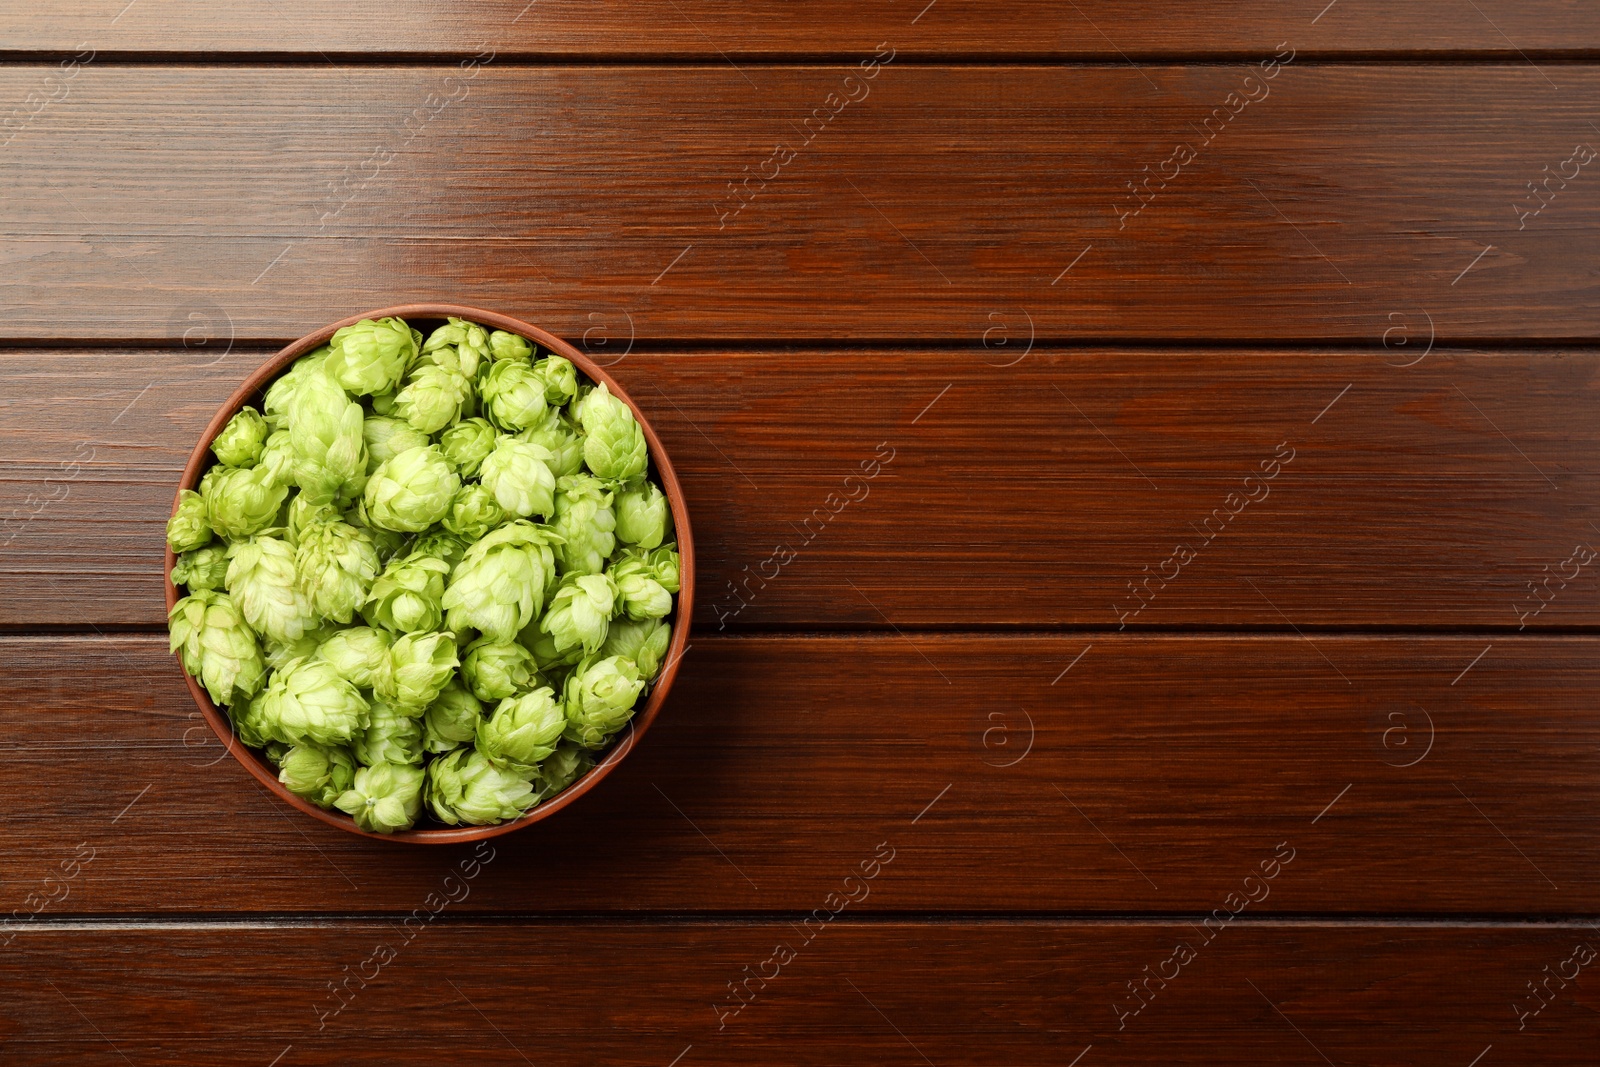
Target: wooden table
{"x":1144,"y":463}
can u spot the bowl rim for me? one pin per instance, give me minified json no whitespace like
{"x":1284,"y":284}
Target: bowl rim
{"x":253,"y":386}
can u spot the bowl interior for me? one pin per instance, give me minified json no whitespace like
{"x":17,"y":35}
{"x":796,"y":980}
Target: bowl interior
{"x":425,"y":317}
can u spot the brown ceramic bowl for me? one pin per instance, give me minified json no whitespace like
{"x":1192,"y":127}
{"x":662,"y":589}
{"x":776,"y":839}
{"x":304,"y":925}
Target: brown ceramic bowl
{"x":426,"y":315}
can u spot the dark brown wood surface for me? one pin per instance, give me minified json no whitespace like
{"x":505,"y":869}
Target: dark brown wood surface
{"x":158,"y":202}
{"x":1086,"y":774}
{"x":771,"y":28}
{"x":1036,"y":992}
{"x":1033,"y":485}
{"x":1086,"y":571}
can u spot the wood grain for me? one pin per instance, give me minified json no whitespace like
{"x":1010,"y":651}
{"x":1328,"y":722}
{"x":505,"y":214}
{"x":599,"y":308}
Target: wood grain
{"x":893,"y":993}
{"x":153,"y":202}
{"x":1156,"y":774}
{"x":1029,"y":494}
{"x":1092,"y":28}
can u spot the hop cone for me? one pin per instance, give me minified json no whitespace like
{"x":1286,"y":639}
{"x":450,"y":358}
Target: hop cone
{"x":336,"y":564}
{"x":325,"y":430}
{"x":641,"y":596}
{"x":514,"y":395}
{"x":384,"y":797}
{"x":241,"y":501}
{"x":451,"y":720}
{"x":320,"y":773}
{"x":645,"y":643}
{"x":405,"y":598}
{"x":473,"y":512}
{"x":518,"y":473}
{"x":262,"y":581}
{"x":241,"y":440}
{"x":387,"y":437}
{"x":410,"y":492}
{"x":584,"y":521}
{"x":494,"y":670}
{"x":419,"y":667}
{"x":642,"y":515}
{"x":391,"y":736}
{"x":466,"y":443}
{"x":503,"y":345}
{"x":561,"y":439}
{"x":465,"y":787}
{"x":360,"y":654}
{"x":566,"y":765}
{"x":560,"y":379}
{"x":307,"y":700}
{"x":435,"y":396}
{"x":216,"y":645}
{"x":499,"y":585}
{"x":522,"y":731}
{"x":471,"y":342}
{"x":203,"y":568}
{"x":599,"y":699}
{"x":190,"y":526}
{"x":371,"y":356}
{"x":613,"y":443}
{"x":580,"y":611}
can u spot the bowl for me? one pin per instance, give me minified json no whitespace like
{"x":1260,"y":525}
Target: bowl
{"x":420,"y":315}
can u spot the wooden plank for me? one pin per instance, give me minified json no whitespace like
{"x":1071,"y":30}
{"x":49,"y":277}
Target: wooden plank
{"x":722,"y":28}
{"x":1032,"y":495}
{"x":1104,"y":775}
{"x":891,"y":993}
{"x":153,"y":202}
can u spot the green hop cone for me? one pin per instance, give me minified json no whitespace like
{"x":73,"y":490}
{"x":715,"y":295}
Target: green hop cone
{"x":336,"y":564}
{"x":280,"y":652}
{"x":503,"y":345}
{"x":190,"y":525}
{"x":371,"y":356}
{"x":216,"y":645}
{"x":494,"y":670}
{"x":203,"y":568}
{"x":513,"y":395}
{"x":500,"y":584}
{"x":451,"y":720}
{"x":387,"y":437}
{"x":662,"y":563}
{"x":560,"y":379}
{"x":613,"y":441}
{"x":411,"y":491}
{"x":563,"y":441}
{"x":384,"y":797}
{"x":241,"y":441}
{"x":472,"y":343}
{"x":405,"y":598}
{"x":359,"y":653}
{"x":642,"y":515}
{"x":550,"y":661}
{"x":522,"y":731}
{"x":277,"y":458}
{"x":325,"y":431}
{"x":435,"y":396}
{"x":275,"y":404}
{"x":301,"y":513}
{"x":391,"y":736}
{"x":263,"y":582}
{"x":440,"y":545}
{"x":639,"y":595}
{"x":245,"y":716}
{"x":580,"y":612}
{"x":599,"y":699}
{"x":518,"y":474}
{"x":320,"y":773}
{"x":465,"y":787}
{"x":584,"y":520}
{"x":419,"y":666}
{"x":644,"y":642}
{"x":466,"y":443}
{"x":241,"y":501}
{"x":566,"y":765}
{"x":308,"y":700}
{"x":473,"y":512}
